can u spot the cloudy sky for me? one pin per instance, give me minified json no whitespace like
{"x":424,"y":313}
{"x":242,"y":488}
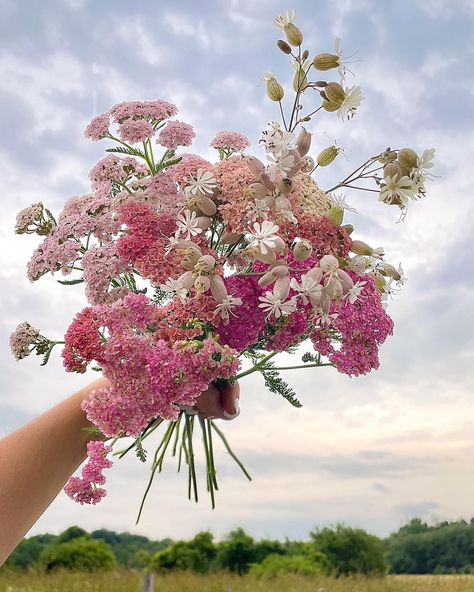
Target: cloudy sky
{"x":371,"y":451}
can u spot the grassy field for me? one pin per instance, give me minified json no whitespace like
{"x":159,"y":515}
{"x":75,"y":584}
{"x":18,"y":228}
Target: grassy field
{"x":130,"y":582}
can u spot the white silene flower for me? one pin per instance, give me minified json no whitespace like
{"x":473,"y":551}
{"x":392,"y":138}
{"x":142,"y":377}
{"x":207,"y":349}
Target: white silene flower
{"x":276,"y":141}
{"x":340,"y":200}
{"x":203,"y":183}
{"x":257,"y":209}
{"x":309,"y":290}
{"x":395,"y":190}
{"x":189,"y":224}
{"x":285,"y":19}
{"x":225,"y":307}
{"x":354,"y":292}
{"x":282,"y":161}
{"x":273,"y":303}
{"x":352,"y":100}
{"x":425,"y":163}
{"x":173,"y":287}
{"x":264,"y":237}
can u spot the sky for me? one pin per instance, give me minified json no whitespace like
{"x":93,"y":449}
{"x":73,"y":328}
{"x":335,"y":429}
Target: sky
{"x":372,"y":451}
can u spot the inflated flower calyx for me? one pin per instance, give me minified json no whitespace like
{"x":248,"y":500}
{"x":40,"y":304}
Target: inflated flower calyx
{"x":293,"y":34}
{"x":307,"y":164}
{"x":360,"y":248}
{"x":283,"y":45}
{"x":206,"y":205}
{"x":392,"y":169}
{"x":407,"y":159}
{"x":273,"y":274}
{"x":326,"y":156}
{"x":325,"y":61}
{"x":302,"y":250}
{"x":230,"y":238}
{"x":334,"y":93}
{"x":275,"y":90}
{"x":285,"y":185}
{"x":390,"y":271}
{"x":255,"y":165}
{"x":336,"y":215}
{"x":329,"y":106}
{"x":300,"y":80}
{"x":303,"y":142}
{"x":258,"y":190}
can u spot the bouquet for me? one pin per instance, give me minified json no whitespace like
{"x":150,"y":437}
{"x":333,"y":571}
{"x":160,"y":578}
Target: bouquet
{"x":192,"y":266}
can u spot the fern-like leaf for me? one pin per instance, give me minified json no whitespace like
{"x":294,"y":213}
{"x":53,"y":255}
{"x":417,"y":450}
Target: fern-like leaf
{"x":277,"y":385}
{"x":129,"y":151}
{"x":71,"y":282}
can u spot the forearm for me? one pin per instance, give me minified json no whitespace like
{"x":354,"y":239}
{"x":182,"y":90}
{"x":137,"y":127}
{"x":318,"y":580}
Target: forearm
{"x":35,"y":463}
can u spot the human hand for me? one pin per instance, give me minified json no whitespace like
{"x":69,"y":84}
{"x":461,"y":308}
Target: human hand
{"x":217,"y":404}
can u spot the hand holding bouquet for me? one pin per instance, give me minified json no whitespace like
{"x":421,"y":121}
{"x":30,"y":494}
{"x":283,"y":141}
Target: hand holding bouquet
{"x":190,"y":266}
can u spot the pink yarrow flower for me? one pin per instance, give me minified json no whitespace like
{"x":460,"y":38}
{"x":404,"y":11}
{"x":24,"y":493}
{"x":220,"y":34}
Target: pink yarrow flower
{"x":176,"y":133}
{"x":98,"y":128}
{"x":84,"y":489}
{"x":234,"y":141}
{"x":135,"y":131}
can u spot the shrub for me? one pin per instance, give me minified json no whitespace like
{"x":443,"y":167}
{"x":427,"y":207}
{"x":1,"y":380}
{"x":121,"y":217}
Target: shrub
{"x":276,"y":564}
{"x":79,"y":554}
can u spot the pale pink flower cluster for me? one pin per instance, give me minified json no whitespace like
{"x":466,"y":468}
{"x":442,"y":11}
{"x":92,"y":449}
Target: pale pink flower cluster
{"x":23,"y":339}
{"x":176,"y":133}
{"x":85,"y":489}
{"x":233,"y":141}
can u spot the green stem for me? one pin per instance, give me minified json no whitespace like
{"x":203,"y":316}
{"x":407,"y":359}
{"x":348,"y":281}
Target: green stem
{"x":257,"y":367}
{"x":229,"y":450}
{"x":302,"y":366}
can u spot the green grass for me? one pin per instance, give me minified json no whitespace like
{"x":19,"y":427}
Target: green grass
{"x":125,"y":581}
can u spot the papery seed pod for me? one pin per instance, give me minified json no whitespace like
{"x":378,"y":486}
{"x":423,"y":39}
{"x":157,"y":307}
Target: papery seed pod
{"x":269,"y":184}
{"x":206,"y":205}
{"x":202,"y":284}
{"x":326,"y":156}
{"x":283,"y":45}
{"x":408,"y":159}
{"x":315,"y":273}
{"x":285,"y":185}
{"x":186,"y":280}
{"x":380,"y":283}
{"x":302,"y":250}
{"x":205,"y":263}
{"x":349,"y":228}
{"x":305,"y":55}
{"x":346,"y":281}
{"x":307,"y":164}
{"x":293,"y":34}
{"x":329,"y":106}
{"x":333,"y":288}
{"x":273,"y":274}
{"x":360,"y":248}
{"x":300,"y":80}
{"x":258,"y":190}
{"x":334,"y":93}
{"x":275,"y":90}
{"x":218,"y":289}
{"x":230,"y":238}
{"x":336,"y":215}
{"x":329,"y":264}
{"x":303,"y":142}
{"x":392,"y":169}
{"x":255,"y":165}
{"x":325,"y":61}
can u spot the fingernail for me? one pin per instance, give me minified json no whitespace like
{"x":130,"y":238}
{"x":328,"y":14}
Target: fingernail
{"x":236,"y":414}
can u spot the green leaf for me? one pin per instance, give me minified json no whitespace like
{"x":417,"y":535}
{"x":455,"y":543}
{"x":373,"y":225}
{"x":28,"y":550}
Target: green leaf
{"x":47,"y":355}
{"x":139,"y":450}
{"x":92,"y":430}
{"x":130,"y":151}
{"x":277,"y":385}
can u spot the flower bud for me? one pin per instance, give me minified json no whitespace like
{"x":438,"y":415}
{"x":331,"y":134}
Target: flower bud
{"x":333,"y":288}
{"x":230,"y":238}
{"x":285,"y":185}
{"x":303,"y":142}
{"x":334,"y":93}
{"x":300,"y":80}
{"x":349,"y":228}
{"x":255,"y":165}
{"x":408,"y":159}
{"x":392,"y":169}
{"x":336,"y":215}
{"x":274,"y":89}
{"x":387,"y":269}
{"x":305,"y":55}
{"x":302,"y":250}
{"x":206,"y":205}
{"x":328,"y":106}
{"x":326,"y":156}
{"x":360,"y":248}
{"x":345,"y":279}
{"x":325,"y":61}
{"x":283,"y":45}
{"x":293,"y":34}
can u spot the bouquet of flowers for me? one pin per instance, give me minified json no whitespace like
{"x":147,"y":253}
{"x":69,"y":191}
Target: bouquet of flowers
{"x":190,"y":266}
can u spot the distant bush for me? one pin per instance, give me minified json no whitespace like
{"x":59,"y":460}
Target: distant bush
{"x":196,"y":555}
{"x":274,"y":565}
{"x":79,"y":553}
{"x":350,"y":550}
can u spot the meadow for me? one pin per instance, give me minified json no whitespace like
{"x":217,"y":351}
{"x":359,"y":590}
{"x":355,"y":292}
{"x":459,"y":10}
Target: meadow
{"x":128,"y":581}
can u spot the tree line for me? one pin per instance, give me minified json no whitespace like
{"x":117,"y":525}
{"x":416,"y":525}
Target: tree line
{"x":416,"y":548}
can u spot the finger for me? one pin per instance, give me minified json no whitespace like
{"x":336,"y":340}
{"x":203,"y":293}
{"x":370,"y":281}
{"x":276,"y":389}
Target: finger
{"x":209,"y":403}
{"x":230,"y":395}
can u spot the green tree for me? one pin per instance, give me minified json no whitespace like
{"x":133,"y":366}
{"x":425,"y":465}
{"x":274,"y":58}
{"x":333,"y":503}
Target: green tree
{"x":73,"y":532}
{"x":80,"y":553}
{"x":236,"y":552}
{"x":276,"y":564}
{"x":28,"y":551}
{"x":196,"y":555}
{"x":350,"y":550}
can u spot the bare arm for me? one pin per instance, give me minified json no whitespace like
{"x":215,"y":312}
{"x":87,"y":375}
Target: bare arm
{"x":38,"y":459}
